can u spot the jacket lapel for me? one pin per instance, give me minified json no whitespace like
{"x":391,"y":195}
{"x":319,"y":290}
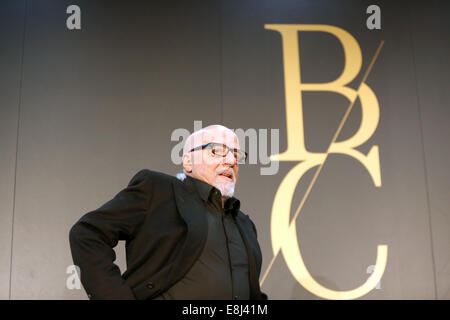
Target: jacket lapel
{"x":253,"y":252}
{"x":193,"y":213}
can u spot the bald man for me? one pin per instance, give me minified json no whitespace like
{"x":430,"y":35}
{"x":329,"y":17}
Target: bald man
{"x":186,"y":237}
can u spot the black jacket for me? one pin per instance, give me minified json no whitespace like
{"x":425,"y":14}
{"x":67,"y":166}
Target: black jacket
{"x":163,"y":222}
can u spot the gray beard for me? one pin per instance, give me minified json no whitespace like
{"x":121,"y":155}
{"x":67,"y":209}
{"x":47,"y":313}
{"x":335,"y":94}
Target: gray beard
{"x":226,"y":194}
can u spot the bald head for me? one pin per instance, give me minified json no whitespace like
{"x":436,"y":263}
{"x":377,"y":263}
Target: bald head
{"x":208,"y":134}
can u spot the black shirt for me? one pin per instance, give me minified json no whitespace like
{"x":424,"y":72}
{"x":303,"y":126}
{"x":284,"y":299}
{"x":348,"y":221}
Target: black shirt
{"x":221,"y":271}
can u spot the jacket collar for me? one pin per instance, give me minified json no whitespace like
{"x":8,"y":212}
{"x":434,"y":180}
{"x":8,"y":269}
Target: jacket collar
{"x":205,"y":190}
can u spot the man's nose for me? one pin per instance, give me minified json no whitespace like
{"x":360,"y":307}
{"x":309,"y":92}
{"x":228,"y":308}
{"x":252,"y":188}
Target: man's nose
{"x":230,"y":158}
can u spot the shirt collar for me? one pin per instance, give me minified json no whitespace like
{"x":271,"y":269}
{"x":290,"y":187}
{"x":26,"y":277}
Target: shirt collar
{"x":204,"y":189}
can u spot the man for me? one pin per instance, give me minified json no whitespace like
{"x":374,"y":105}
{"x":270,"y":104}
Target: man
{"x":185,"y":238}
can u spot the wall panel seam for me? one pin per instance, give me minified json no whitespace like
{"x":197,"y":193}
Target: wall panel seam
{"x":419,"y":109}
{"x":17,"y":147}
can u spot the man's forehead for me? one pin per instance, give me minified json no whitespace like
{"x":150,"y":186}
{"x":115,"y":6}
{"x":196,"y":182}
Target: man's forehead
{"x":220,"y":135}
{"x":206,"y":135}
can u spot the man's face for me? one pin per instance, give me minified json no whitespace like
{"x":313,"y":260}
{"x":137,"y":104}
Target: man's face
{"x":220,"y":172}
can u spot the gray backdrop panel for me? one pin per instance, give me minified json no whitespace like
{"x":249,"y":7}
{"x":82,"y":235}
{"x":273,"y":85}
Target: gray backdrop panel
{"x":345,"y":216}
{"x":100,"y":104}
{"x":430,"y":33}
{"x":11,"y":39}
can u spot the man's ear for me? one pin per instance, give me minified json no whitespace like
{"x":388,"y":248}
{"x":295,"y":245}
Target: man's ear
{"x":187,"y":162}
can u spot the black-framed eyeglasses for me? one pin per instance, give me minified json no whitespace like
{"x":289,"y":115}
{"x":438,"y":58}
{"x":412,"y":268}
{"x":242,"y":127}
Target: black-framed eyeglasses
{"x":221,"y":150}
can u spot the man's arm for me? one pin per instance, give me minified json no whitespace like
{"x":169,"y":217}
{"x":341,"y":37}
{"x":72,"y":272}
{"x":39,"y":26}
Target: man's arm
{"x":94,"y":236}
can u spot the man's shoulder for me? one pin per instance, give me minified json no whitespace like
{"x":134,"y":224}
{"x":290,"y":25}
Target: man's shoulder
{"x":155,"y":177}
{"x":245,"y":218}
{"x":243,"y":215}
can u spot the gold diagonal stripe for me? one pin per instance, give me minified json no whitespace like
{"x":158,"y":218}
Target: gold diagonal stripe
{"x":316,"y":174}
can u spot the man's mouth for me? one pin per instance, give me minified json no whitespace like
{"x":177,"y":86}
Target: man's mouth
{"x":226,"y":175}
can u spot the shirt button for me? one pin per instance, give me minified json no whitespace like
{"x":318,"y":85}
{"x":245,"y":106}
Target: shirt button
{"x":150,"y":285}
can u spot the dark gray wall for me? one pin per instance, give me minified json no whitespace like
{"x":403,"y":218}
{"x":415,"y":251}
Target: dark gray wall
{"x":432,"y":66}
{"x":82,"y":111}
{"x":12,"y":17}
